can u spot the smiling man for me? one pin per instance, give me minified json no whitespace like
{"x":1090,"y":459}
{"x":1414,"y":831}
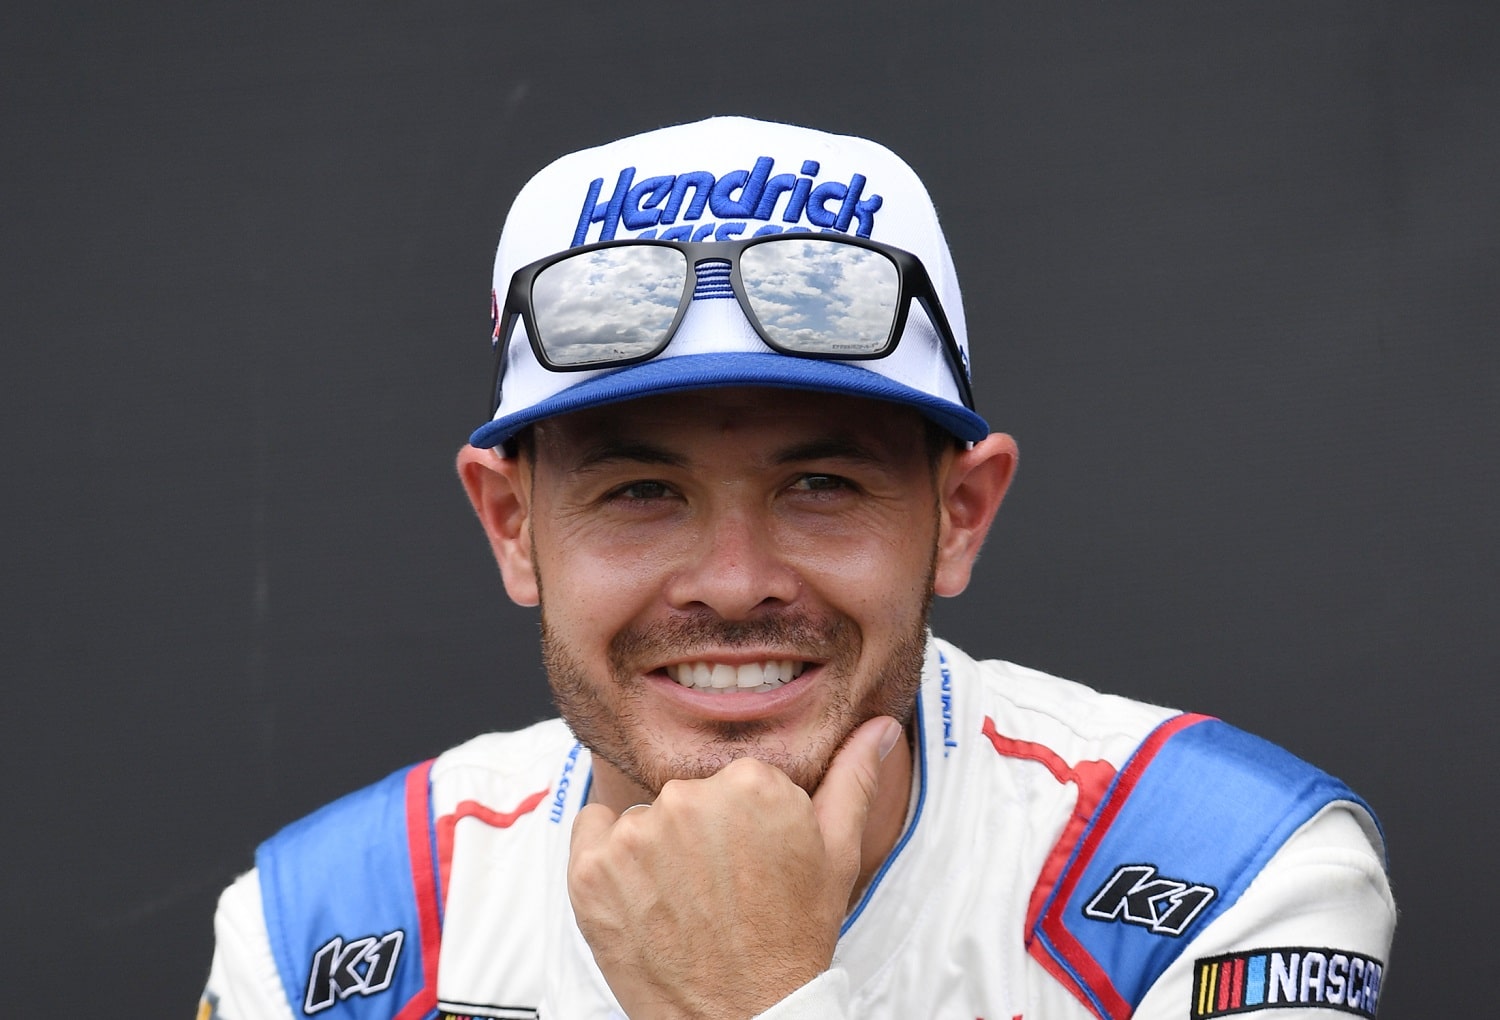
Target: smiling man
{"x":732,"y":457}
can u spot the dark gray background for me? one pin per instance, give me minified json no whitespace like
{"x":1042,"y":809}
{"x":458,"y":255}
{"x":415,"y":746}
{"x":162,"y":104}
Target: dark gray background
{"x":1231,"y":275}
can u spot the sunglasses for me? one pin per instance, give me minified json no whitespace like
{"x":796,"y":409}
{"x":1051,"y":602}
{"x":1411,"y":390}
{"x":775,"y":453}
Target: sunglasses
{"x":821,"y":296}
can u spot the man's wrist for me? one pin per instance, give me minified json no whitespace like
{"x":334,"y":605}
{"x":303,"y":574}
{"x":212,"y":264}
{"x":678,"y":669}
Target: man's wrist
{"x":825,"y":997}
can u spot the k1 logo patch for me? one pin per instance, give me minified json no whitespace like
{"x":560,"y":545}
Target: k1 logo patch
{"x":357,"y":967}
{"x":1138,"y":894}
{"x":1286,"y":978}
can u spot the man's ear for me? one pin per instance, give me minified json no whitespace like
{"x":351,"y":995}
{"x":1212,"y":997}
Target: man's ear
{"x":499,"y":488}
{"x":971,"y":485}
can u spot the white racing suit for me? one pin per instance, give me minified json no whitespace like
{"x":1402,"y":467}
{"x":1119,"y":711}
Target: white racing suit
{"x":1067,"y":855}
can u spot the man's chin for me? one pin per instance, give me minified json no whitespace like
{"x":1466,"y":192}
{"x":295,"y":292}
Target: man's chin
{"x":806,"y":769}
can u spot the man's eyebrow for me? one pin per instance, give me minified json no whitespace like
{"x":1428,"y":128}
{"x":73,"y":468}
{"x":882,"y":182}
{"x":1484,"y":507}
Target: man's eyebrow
{"x":829,"y":449}
{"x":612,"y":451}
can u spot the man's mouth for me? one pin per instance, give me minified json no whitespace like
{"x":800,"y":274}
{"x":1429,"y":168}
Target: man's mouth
{"x":722,"y":678}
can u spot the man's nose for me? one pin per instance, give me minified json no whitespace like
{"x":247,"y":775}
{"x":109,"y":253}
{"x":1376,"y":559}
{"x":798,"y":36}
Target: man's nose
{"x":733,"y":568}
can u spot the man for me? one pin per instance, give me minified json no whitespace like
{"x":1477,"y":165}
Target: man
{"x":732,"y":457}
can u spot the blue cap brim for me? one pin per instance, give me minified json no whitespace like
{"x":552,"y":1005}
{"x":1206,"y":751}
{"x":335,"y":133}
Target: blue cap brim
{"x":706,"y":371}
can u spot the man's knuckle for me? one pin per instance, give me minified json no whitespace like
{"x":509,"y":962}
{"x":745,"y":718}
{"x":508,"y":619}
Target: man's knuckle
{"x":585,"y":874}
{"x":754,"y":775}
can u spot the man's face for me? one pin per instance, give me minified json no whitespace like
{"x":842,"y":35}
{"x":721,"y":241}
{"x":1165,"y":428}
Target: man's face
{"x":778,"y":542}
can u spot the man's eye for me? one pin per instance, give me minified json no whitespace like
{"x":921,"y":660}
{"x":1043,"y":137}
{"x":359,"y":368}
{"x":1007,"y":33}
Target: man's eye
{"x":821,"y":483}
{"x":643,"y":491}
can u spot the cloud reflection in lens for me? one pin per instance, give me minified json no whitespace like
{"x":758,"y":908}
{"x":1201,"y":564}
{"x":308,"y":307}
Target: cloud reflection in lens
{"x":608,"y":305}
{"x":821,"y":296}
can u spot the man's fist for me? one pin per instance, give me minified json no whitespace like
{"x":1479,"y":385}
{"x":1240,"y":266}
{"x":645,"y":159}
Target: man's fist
{"x":727,"y":894}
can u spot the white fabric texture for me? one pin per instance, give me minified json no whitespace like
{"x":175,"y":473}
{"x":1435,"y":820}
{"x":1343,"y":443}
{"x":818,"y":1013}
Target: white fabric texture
{"x":942,"y":933}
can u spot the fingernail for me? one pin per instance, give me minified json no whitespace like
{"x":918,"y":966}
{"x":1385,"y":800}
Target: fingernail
{"x":889,"y":737}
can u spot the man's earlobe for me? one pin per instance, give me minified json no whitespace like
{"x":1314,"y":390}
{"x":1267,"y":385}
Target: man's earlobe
{"x":500,"y":494}
{"x":972,"y":488}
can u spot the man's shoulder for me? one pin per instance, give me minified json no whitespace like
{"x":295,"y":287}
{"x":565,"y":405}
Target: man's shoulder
{"x":1021,"y":704}
{"x":1189,"y":825}
{"x":363,"y":878}
{"x":1177,"y":816}
{"x":494,"y":767}
{"x":482,"y":768}
{"x":1176,"y":756}
{"x":398,"y":821}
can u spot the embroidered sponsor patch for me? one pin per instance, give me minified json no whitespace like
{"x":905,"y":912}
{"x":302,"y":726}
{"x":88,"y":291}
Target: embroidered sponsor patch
{"x":1139,"y":894}
{"x":474,"y":1011}
{"x":560,"y":797}
{"x":357,"y":967}
{"x":741,"y":202}
{"x":946,"y":694}
{"x":1287,"y":978}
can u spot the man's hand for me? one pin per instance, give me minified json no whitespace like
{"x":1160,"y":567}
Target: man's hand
{"x":727,"y":894}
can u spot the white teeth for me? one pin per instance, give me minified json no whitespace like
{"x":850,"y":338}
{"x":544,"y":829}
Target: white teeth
{"x":720,"y":676}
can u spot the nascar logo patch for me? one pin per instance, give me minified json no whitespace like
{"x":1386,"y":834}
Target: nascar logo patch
{"x":1286,"y":978}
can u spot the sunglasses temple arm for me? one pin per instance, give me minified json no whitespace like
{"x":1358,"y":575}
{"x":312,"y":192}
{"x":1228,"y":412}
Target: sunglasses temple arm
{"x":951,"y":350}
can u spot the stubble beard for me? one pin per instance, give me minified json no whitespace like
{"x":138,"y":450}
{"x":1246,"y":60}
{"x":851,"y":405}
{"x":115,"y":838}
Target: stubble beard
{"x":605,"y":715}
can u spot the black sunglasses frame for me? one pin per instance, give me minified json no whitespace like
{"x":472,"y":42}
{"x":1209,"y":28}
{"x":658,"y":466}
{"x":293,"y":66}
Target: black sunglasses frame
{"x":913,"y":283}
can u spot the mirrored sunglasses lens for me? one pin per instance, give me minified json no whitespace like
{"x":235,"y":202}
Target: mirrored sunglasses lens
{"x":608,"y":305}
{"x":821,"y":296}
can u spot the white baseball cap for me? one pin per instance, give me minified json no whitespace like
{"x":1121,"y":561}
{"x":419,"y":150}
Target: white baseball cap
{"x":722,"y":179}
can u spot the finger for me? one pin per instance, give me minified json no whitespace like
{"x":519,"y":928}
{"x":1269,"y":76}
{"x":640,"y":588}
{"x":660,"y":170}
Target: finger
{"x":591,"y":826}
{"x":842,"y":801}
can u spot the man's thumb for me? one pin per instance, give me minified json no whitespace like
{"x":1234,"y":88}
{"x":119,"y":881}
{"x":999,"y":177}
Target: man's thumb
{"x":842,"y":801}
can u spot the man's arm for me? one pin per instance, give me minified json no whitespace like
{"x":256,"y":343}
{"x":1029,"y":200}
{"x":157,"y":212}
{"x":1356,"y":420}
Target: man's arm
{"x":1313,"y":931}
{"x":243,"y":983}
{"x":1215,"y":843}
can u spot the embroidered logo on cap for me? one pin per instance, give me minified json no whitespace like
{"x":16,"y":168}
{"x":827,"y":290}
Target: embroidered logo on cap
{"x":663,"y":203}
{"x":1286,"y":978}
